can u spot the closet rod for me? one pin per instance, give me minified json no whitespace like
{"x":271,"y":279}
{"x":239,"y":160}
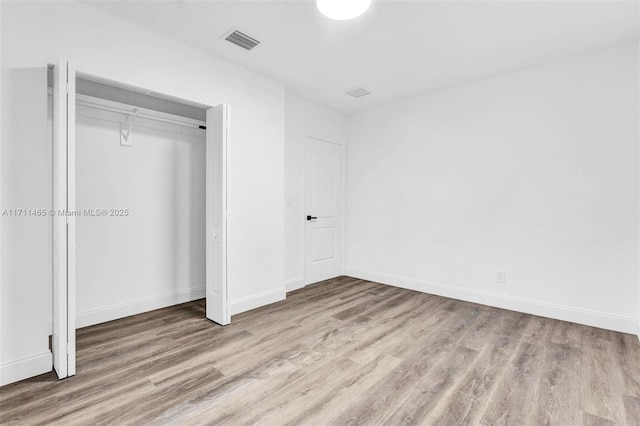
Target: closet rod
{"x":139,"y":114}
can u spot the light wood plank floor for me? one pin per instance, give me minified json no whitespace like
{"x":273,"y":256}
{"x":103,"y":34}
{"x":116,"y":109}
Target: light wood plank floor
{"x":340,"y":352}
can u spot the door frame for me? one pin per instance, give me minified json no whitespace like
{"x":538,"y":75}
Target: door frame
{"x":64,"y":226}
{"x":343,"y":200}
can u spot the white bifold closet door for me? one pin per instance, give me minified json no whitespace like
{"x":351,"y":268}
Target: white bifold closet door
{"x":64,"y":288}
{"x":217,"y":149}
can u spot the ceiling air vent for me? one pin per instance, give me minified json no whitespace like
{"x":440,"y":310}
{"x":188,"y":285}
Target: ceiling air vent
{"x":241,"y":39}
{"x":357,"y":92}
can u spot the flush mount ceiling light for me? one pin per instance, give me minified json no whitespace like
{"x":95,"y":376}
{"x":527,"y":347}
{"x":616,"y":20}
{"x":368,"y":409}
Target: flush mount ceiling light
{"x":342,"y":10}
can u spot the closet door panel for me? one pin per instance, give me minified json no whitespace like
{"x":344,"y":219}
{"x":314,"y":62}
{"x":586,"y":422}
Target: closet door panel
{"x":216,"y":189}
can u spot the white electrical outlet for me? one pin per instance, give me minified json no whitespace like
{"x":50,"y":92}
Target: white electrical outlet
{"x":501,"y":277}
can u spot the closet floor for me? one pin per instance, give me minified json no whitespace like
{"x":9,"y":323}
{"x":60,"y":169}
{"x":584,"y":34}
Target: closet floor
{"x":344,"y":351}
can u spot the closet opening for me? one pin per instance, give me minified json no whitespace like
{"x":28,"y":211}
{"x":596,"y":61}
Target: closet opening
{"x":139,"y":202}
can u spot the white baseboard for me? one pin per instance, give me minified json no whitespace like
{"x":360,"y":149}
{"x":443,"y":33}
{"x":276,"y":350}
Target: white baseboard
{"x":294,"y":284}
{"x":121,"y":310}
{"x":257,"y":300}
{"x":24,"y":368}
{"x":550,"y":310}
{"x":109,"y":313}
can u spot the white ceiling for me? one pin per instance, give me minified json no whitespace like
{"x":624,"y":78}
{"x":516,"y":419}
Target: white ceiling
{"x":397,"y":49}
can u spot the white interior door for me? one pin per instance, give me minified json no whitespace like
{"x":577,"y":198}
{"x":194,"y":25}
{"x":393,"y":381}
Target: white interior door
{"x":64,"y":265}
{"x":323,"y":210}
{"x":216,"y":211}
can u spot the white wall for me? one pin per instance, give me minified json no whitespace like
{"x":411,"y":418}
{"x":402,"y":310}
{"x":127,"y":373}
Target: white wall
{"x":302,"y":119}
{"x":37,"y":33}
{"x":534,"y":173}
{"x":25,"y":248}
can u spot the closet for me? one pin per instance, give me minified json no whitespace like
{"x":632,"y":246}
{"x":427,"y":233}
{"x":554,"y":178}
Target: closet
{"x":140,"y":199}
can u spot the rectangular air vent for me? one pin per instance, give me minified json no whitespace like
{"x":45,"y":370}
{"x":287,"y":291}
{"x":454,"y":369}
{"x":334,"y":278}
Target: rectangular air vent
{"x":241,"y":39}
{"x":357,"y":92}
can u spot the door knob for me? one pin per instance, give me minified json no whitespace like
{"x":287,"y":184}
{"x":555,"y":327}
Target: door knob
{"x":311,"y":217}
